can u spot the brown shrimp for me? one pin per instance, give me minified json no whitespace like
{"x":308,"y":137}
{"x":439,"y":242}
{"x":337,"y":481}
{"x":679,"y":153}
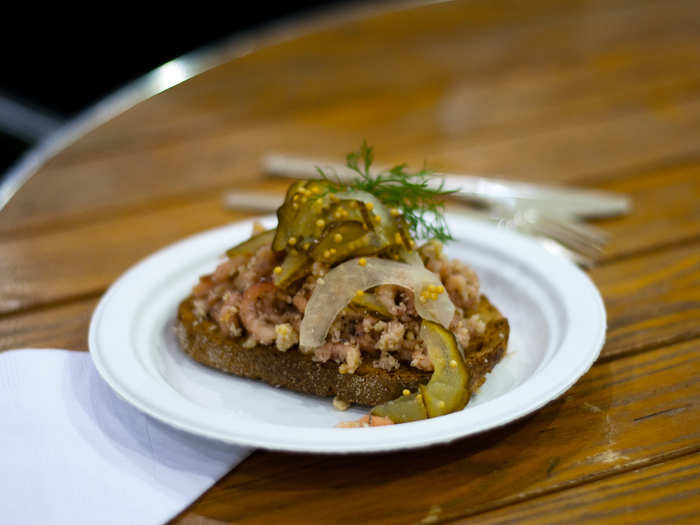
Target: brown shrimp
{"x":255,"y":321}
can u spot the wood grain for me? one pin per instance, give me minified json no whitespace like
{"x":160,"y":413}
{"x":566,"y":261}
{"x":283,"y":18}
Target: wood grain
{"x":675,"y":189}
{"x":61,"y":326}
{"x":234,"y":160}
{"x":623,"y":414}
{"x":613,"y":95}
{"x":664,"y":493}
{"x":604,"y":94}
{"x":651,"y":300}
{"x":591,"y":152}
{"x":595,"y":40}
{"x":54,"y":328}
{"x":87,"y":258}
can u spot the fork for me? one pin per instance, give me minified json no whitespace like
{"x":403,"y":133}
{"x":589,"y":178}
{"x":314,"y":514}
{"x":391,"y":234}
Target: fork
{"x":553,"y":212}
{"x":583,"y":238}
{"x":572,"y":203}
{"x":557,"y":236}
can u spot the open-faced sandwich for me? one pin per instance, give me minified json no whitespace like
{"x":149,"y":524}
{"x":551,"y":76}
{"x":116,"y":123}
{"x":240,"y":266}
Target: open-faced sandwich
{"x":341,"y":300}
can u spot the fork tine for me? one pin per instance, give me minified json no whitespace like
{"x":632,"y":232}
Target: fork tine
{"x":564,"y":238}
{"x":555,"y":240}
{"x":567,"y":236}
{"x":571,"y":229}
{"x":584,"y":232}
{"x":557,"y":248}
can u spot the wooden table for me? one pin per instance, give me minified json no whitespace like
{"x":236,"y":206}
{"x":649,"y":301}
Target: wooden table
{"x":602,"y":94}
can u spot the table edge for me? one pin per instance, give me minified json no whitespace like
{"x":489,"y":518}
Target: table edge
{"x":183,"y":68}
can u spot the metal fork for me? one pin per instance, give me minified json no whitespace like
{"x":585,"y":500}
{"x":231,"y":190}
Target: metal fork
{"x":580,"y":245}
{"x":580,"y":237}
{"x":556,"y":235}
{"x":572,"y":203}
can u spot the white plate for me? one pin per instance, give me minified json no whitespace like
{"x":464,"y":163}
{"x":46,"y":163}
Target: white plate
{"x":556,"y":315}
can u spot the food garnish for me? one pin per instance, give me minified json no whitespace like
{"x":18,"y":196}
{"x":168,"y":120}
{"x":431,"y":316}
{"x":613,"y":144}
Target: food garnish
{"x":342,"y":280}
{"x":401,"y":192}
{"x":335,"y":294}
{"x":329,"y":222}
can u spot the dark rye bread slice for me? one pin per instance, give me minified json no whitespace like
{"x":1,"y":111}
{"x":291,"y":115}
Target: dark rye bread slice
{"x":204,"y":342}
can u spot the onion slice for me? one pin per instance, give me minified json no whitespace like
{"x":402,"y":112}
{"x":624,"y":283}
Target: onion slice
{"x":340,"y":285}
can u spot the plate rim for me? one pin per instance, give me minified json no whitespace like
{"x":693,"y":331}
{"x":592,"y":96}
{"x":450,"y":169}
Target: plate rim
{"x":368,"y":440}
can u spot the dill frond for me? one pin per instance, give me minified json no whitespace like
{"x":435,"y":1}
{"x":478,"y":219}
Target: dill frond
{"x":420,"y":203}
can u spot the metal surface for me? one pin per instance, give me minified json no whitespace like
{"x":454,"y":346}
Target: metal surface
{"x":555,"y":200}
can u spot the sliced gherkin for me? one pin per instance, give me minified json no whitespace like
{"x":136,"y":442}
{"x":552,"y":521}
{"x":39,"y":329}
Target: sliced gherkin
{"x":345,"y":211}
{"x":377,"y":217}
{"x":311,"y":222}
{"x":302,"y":216}
{"x":448,"y":388}
{"x":345,"y":240}
{"x":252,"y":245}
{"x":403,"y":409}
{"x":404,"y":233}
{"x":294,"y":266}
{"x":286,"y":215}
{"x":311,"y":213}
{"x":369,"y":302}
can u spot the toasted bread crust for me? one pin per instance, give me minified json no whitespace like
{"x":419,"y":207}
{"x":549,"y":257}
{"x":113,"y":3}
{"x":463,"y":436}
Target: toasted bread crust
{"x":204,"y":342}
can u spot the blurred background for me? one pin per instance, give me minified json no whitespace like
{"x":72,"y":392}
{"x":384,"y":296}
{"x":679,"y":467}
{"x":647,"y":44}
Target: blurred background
{"x":60,"y":65}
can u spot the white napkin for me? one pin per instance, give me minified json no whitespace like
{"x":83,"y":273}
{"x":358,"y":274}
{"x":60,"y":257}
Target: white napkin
{"x":72,"y":452}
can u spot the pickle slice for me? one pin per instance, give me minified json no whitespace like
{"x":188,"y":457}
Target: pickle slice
{"x":286,"y":215}
{"x":295,"y":266}
{"x":253,"y":244}
{"x":403,"y":409}
{"x":346,"y":211}
{"x":306,"y":203}
{"x":369,"y":302}
{"x":378,"y":218}
{"x":311,"y":222}
{"x":345,"y":240}
{"x":311,"y":214}
{"x":447,"y":391}
{"x":404,"y":233}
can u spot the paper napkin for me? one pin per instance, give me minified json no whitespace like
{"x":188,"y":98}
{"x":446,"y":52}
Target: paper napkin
{"x":72,"y":452}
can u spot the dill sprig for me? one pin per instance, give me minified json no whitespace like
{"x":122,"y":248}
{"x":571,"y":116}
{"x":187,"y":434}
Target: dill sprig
{"x":419,"y":201}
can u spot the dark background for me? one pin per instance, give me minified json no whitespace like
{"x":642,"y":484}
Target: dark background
{"x":60,"y":63}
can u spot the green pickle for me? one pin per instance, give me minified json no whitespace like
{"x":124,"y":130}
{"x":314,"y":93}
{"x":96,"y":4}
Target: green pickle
{"x":403,"y":409}
{"x":307,"y":226}
{"x":448,"y":388}
{"x":286,"y":215}
{"x":294,"y":266}
{"x":346,"y":211}
{"x":316,"y":225}
{"x":305,"y":203}
{"x":345,"y":240}
{"x":252,"y":245}
{"x":369,"y":302}
{"x":404,"y":233}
